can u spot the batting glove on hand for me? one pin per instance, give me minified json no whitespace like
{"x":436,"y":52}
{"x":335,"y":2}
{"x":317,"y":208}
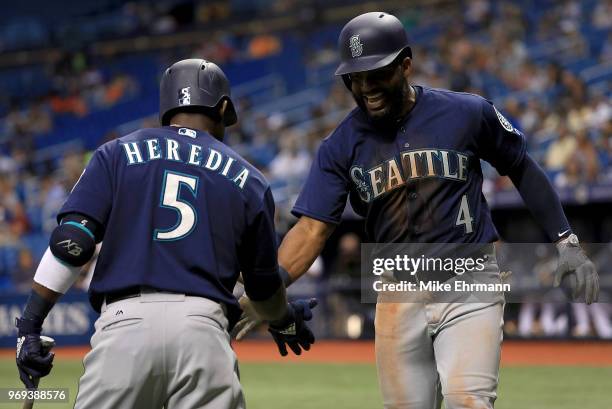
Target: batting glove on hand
{"x":293,"y":331}
{"x":579,"y":270}
{"x":32,"y":362}
{"x":248,"y":320}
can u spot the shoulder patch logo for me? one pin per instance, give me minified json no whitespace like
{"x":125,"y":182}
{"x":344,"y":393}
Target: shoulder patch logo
{"x":503,"y":121}
{"x":356,"y":46}
{"x":184,"y":96}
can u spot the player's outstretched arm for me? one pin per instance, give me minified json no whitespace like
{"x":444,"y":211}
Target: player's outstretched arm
{"x":298,"y":250}
{"x":302,"y":245}
{"x":543,"y":202}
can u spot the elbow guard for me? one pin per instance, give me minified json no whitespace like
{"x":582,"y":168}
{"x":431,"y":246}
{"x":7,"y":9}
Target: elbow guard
{"x":74,"y":242}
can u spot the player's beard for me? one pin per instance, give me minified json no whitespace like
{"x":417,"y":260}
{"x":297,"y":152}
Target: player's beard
{"x":396,"y":98}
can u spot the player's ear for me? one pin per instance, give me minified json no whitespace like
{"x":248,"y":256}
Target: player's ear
{"x":406,"y":65}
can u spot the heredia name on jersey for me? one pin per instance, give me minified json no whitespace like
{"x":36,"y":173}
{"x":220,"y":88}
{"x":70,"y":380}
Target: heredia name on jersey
{"x":415,"y":164}
{"x":139,"y":153}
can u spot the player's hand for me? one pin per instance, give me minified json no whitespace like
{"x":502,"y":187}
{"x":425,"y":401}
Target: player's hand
{"x":32,"y":362}
{"x":248,"y":320}
{"x":293,"y":331}
{"x":575,"y":267}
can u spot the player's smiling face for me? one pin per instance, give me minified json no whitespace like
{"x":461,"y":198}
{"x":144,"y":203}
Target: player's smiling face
{"x":382,"y":93}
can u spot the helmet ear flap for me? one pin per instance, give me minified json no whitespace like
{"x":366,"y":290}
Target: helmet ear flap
{"x":230,"y":117}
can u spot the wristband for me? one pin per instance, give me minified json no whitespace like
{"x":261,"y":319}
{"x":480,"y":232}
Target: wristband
{"x":27,"y":327}
{"x":285,"y":277}
{"x":571,"y":240}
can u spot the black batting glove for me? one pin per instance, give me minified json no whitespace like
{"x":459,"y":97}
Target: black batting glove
{"x":292,"y":330}
{"x":576,"y":271}
{"x":32,"y":362}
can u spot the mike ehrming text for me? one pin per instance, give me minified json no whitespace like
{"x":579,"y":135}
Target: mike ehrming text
{"x":437,"y":286}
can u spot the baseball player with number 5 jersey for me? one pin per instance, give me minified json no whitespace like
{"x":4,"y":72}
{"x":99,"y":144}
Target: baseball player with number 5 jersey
{"x":181,"y":215}
{"x":408,"y":158}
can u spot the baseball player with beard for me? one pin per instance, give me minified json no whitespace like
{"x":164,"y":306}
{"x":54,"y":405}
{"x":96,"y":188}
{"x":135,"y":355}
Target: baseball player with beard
{"x":408,"y":157}
{"x":181,"y":215}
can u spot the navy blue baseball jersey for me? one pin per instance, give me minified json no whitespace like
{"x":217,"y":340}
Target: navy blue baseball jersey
{"x":421,"y":182}
{"x":182,"y":212}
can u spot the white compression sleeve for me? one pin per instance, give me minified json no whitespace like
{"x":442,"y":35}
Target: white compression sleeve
{"x":55,"y":275}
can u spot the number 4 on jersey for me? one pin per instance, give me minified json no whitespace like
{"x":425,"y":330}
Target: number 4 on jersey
{"x":170,"y":199}
{"x":464,"y":217}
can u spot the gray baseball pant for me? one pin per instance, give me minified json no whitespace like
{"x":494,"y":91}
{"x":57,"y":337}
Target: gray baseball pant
{"x":427,"y":352}
{"x":161,"y":350}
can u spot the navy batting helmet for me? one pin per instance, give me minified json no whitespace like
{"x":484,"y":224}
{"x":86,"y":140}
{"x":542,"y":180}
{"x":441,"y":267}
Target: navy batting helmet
{"x":370,"y":41}
{"x":191,"y":84}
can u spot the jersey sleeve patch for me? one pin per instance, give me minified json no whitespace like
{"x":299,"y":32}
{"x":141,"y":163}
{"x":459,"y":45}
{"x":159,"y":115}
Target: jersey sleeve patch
{"x":504,"y":122}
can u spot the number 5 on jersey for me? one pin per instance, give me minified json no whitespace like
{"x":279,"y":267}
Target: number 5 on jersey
{"x":464,"y":217}
{"x":170,"y":199}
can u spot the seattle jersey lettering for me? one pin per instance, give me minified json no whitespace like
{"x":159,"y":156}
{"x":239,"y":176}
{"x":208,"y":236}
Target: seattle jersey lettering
{"x":416,"y":164}
{"x":139,"y":153}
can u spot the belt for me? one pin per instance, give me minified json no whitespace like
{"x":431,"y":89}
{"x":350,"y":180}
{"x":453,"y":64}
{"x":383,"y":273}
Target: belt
{"x":124,"y":294}
{"x":233,"y":314}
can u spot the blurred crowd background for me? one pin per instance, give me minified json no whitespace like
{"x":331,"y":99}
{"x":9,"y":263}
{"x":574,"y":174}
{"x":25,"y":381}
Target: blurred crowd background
{"x":73,"y":76}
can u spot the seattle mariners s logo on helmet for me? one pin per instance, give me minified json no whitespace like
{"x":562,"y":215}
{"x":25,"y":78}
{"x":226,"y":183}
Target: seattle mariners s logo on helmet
{"x":184,"y":96}
{"x":356,"y":46}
